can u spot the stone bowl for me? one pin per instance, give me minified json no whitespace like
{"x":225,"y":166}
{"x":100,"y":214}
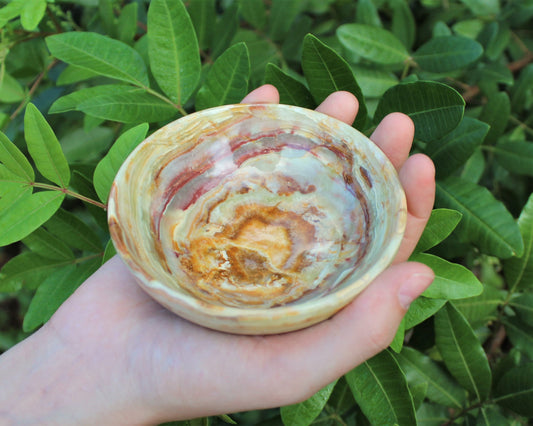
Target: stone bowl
{"x":256,"y":219}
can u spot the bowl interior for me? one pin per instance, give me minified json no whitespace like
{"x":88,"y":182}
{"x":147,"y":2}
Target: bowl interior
{"x":256,"y":207}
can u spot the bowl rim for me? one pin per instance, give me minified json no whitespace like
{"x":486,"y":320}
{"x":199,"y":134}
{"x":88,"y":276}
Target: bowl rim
{"x":331,"y":302}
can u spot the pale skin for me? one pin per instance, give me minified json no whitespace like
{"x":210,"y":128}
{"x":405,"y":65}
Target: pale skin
{"x":111,"y":355}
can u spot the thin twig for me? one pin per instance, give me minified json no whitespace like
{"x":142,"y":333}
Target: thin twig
{"x":33,"y":88}
{"x":54,"y":20}
{"x":67,"y":191}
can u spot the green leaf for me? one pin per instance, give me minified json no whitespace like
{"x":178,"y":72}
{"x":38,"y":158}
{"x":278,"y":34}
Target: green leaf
{"x":421,"y":309}
{"x":486,"y":222}
{"x":47,"y":245}
{"x":432,"y":415}
{"x":28,"y":213}
{"x":44,"y":147}
{"x":372,"y":43}
{"x":227,"y":80}
{"x":83,"y":185}
{"x":44,"y":302}
{"x":515,"y":156}
{"x":54,"y":290}
{"x":173,"y":49}
{"x":397,"y":343}
{"x":107,"y":16}
{"x":202,"y":13}
{"x":127,"y":23}
{"x":418,"y":392}
{"x":449,"y":53}
{"x":132,"y":107}
{"x":73,"y":74}
{"x":14,"y":160}
{"x":515,"y":390}
{"x":107,"y":168}
{"x":291,"y":91}
{"x":32,"y":14}
{"x":495,"y":39}
{"x":69,"y":228}
{"x":520,"y":334}
{"x":227,"y":419}
{"x":479,"y":310}
{"x":261,"y":52}
{"x":441,"y":388}
{"x":282,"y":15}
{"x":28,"y":270}
{"x":86,"y":146}
{"x":327,"y":72}
{"x":490,"y":416}
{"x":374,"y":83}
{"x":71,"y":101}
{"x":403,"y":22}
{"x":12,"y":187}
{"x":10,"y":11}
{"x":462,"y":352}
{"x":380,"y":389}
{"x":293,"y":43}
{"x":304,"y":413}
{"x":99,"y":54}
{"x":496,"y":113}
{"x":225,"y":29}
{"x":441,"y":223}
{"x":454,"y":149}
{"x":452,"y":281}
{"x":11,"y":90}
{"x":367,"y":13}
{"x":436,"y":109}
{"x":474,"y":167}
{"x":253,"y":12}
{"x":521,"y":88}
{"x":483,"y":7}
{"x":109,"y":251}
{"x":494,"y":73}
{"x":523,"y":305}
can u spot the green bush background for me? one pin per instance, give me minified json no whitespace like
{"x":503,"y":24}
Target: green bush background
{"x":83,"y":82}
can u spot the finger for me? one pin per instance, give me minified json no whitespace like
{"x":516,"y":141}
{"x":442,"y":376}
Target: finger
{"x":418,"y":180}
{"x":266,"y":94}
{"x":359,"y":331}
{"x":394,"y":135}
{"x":340,"y":105}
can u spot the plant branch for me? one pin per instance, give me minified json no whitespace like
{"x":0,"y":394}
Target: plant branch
{"x":521,"y":124}
{"x":68,"y":192}
{"x":54,"y":20}
{"x":463,"y":412}
{"x":472,"y":91}
{"x":32,"y":90}
{"x":165,"y":99}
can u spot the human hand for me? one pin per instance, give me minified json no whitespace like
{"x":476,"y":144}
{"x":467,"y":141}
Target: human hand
{"x":116,"y":356}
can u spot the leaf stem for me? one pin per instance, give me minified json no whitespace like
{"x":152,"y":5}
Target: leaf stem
{"x":521,"y":124}
{"x":408,"y":63}
{"x":68,"y":192}
{"x":33,"y":88}
{"x":164,"y":99}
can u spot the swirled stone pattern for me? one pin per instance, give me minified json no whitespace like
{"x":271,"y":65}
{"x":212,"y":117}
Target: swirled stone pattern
{"x":237,"y":212}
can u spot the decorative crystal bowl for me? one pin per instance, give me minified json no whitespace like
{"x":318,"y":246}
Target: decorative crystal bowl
{"x":256,"y":219}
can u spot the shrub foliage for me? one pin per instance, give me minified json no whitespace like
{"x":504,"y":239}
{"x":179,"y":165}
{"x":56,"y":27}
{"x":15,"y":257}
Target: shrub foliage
{"x":82,"y":82}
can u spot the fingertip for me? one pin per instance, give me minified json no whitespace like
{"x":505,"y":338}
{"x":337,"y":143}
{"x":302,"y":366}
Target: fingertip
{"x":341,"y":105}
{"x":394,"y":136}
{"x":266,"y":94}
{"x":418,"y":180}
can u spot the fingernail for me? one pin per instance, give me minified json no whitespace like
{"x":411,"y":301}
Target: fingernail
{"x":413,"y":287}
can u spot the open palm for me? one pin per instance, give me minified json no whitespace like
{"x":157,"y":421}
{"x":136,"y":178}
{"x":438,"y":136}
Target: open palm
{"x":132,"y":361}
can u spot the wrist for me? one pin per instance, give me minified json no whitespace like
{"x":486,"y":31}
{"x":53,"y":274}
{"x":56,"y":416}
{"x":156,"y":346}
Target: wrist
{"x":51,"y":382}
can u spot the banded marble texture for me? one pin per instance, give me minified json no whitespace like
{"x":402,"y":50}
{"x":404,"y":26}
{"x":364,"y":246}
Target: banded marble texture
{"x":256,"y":218}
